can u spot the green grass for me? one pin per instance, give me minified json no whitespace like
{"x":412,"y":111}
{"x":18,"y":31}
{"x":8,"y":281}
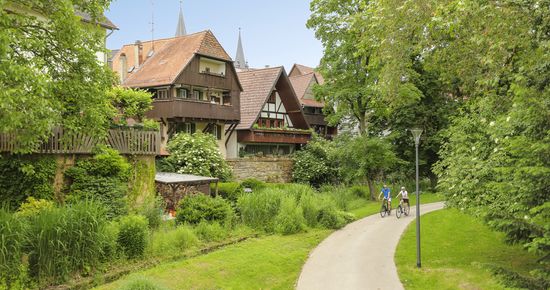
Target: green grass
{"x":455,"y":248}
{"x":272,"y":262}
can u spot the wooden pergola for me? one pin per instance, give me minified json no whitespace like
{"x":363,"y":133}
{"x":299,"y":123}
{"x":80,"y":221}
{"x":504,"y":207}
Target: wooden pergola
{"x":177,"y":182}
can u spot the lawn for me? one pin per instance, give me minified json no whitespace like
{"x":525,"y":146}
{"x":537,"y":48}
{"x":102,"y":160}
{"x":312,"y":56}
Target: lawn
{"x":272,"y":262}
{"x":455,"y":249}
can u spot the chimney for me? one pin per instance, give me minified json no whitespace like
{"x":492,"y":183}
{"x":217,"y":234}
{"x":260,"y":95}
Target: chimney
{"x":138,"y":53}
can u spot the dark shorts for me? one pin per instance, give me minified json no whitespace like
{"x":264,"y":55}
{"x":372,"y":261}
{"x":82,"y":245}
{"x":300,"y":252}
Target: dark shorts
{"x":406,"y":200}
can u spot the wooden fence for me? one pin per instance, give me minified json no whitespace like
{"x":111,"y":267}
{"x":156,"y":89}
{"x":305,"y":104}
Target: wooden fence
{"x":127,"y":141}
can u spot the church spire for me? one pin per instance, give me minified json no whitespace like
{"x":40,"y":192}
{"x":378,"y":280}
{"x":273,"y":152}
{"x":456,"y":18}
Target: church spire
{"x":180,"y":30}
{"x":240,"y":62}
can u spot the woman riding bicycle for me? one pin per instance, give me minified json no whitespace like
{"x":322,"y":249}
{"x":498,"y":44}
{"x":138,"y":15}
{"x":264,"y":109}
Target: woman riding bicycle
{"x":404,"y":194}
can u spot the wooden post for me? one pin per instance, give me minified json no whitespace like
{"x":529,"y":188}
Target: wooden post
{"x":216,"y":188}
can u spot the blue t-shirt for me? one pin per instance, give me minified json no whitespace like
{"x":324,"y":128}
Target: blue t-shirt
{"x":386,"y":192}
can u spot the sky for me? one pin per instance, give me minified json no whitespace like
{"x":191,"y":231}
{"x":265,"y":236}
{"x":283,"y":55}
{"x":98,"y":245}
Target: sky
{"x":273,"y":31}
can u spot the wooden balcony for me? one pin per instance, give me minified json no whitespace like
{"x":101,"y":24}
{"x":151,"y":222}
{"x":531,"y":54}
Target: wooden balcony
{"x":315,"y":119}
{"x":273,"y":136}
{"x":187,"y":108}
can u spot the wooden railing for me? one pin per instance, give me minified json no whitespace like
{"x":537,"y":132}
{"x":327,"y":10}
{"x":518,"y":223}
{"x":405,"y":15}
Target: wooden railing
{"x":127,"y":141}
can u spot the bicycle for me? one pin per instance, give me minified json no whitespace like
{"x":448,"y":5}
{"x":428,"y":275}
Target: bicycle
{"x":402,"y":209}
{"x":384,"y":209}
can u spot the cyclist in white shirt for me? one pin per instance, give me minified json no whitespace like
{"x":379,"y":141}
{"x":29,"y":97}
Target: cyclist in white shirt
{"x":404,"y":194}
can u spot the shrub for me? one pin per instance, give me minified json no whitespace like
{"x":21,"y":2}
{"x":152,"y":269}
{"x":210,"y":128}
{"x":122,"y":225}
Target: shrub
{"x":211,"y":232}
{"x":342,"y":196}
{"x":33,"y":206}
{"x":310,"y":205}
{"x":229,"y":190}
{"x":331,"y":218}
{"x":64,"y":240}
{"x":259,"y":209}
{"x":173,"y":240}
{"x":315,"y":164}
{"x":141,"y":284}
{"x":290,"y":219}
{"x":12,"y":240}
{"x":253,"y":184}
{"x":195,"y":208}
{"x":103,"y":178}
{"x":26,"y":176}
{"x":152,"y":209}
{"x":132,"y":236}
{"x":197,"y":154}
{"x":110,"y":244}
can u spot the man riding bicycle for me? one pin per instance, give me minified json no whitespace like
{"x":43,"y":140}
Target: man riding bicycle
{"x":404,"y":194}
{"x":387,"y":196}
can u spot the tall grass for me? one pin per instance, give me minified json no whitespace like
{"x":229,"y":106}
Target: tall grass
{"x":65,"y":240}
{"x":290,"y":219}
{"x":258,"y":209}
{"x":211,"y":232}
{"x":12,"y":240}
{"x":167,"y":241}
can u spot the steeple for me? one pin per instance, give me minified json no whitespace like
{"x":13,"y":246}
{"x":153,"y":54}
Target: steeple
{"x":180,"y":30}
{"x":240,"y":62}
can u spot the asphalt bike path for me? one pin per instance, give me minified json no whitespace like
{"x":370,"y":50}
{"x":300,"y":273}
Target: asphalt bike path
{"x":360,"y":256}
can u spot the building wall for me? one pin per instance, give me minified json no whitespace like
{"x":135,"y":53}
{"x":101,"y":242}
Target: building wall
{"x":262,"y":168}
{"x":232,"y":150}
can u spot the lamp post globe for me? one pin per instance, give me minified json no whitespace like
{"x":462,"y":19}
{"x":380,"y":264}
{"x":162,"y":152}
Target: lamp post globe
{"x":416,"y":132}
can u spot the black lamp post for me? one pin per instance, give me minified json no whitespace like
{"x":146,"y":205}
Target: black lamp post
{"x":416,"y":134}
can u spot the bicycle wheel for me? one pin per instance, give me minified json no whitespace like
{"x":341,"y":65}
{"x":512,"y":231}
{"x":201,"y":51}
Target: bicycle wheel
{"x":407,"y":209}
{"x":383,"y":211}
{"x":398,"y":211}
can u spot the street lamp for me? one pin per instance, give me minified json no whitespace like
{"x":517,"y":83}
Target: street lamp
{"x":416,"y":134}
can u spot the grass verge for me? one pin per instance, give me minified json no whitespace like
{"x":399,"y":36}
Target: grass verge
{"x":456,"y":249}
{"x":270,"y":262}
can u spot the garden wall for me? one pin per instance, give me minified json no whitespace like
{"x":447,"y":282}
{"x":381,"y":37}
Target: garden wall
{"x":268,"y":169}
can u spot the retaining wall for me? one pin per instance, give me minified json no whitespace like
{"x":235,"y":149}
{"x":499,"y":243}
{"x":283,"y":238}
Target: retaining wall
{"x":268,"y":169}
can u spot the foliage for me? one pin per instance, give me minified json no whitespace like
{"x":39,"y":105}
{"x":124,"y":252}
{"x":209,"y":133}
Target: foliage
{"x":258,"y":209}
{"x":131,"y":103}
{"x":132,"y":235}
{"x":103,"y":178}
{"x":33,"y":206}
{"x":290,"y":219}
{"x":195,"y":208}
{"x":64,"y":240}
{"x":229,"y":190}
{"x":172,"y":240}
{"x":197,"y":154}
{"x":12,"y":243}
{"x":152,"y":209}
{"x":332,"y":218}
{"x":253,"y":184}
{"x":314,"y":164}
{"x":24,"y":176}
{"x":210,"y":232}
{"x":50,"y":75}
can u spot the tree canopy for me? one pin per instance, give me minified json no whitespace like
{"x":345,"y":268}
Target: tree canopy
{"x":49,"y":72}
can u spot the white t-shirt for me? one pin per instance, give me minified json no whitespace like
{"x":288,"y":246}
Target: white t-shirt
{"x":404,"y":194}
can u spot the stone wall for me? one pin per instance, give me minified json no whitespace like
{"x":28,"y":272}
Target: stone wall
{"x":268,"y":169}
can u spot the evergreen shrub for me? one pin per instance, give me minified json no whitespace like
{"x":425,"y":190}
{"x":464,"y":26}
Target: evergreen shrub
{"x":194,"y":208}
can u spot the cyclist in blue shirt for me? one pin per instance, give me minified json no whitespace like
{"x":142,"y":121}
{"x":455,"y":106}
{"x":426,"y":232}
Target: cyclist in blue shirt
{"x":387,"y":195}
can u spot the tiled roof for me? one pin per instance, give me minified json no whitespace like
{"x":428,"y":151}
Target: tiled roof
{"x":299,"y":69}
{"x":170,"y":57}
{"x":301,"y":83}
{"x":103,"y":22}
{"x":257,"y":86}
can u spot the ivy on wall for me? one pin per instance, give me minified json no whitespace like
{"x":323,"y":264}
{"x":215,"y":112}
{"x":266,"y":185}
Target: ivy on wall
{"x":26,"y":176}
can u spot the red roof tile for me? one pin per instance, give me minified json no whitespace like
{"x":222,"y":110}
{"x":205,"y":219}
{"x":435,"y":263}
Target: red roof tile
{"x":301,"y":83}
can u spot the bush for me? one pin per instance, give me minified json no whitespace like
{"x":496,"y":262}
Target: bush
{"x":33,"y":206}
{"x":259,"y":209}
{"x":341,"y":196}
{"x":173,"y":240}
{"x":194,"y":208}
{"x":110,"y":244}
{"x":103,"y":178}
{"x":290,"y":219}
{"x":253,"y":184}
{"x":25,"y":176}
{"x":311,"y":205}
{"x":197,"y":154}
{"x":229,"y":190}
{"x":332,"y":218}
{"x":152,"y":209}
{"x":64,"y":240}
{"x":211,"y":232}
{"x":141,"y":284}
{"x":12,"y":241}
{"x":315,"y":164}
{"x":132,"y":236}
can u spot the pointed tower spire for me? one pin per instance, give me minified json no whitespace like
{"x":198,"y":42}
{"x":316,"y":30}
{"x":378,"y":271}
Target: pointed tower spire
{"x":180,"y":30}
{"x":240,"y":62}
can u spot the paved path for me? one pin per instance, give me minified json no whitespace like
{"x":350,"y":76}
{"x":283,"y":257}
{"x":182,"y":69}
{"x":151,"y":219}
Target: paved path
{"x":359,"y":256}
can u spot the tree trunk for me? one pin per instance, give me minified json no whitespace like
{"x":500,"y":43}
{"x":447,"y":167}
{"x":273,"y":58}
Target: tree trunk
{"x":362,"y":125}
{"x":371,"y":189}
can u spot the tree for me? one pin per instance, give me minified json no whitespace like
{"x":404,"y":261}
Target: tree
{"x":315,"y":163}
{"x":131,"y":103}
{"x":49,"y":72}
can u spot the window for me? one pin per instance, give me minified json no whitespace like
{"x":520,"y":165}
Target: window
{"x":161,"y":94}
{"x":198,"y":95}
{"x":182,"y":93}
{"x":226,"y":98}
{"x":215,"y":129}
{"x":179,"y":127}
{"x":271,"y":99}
